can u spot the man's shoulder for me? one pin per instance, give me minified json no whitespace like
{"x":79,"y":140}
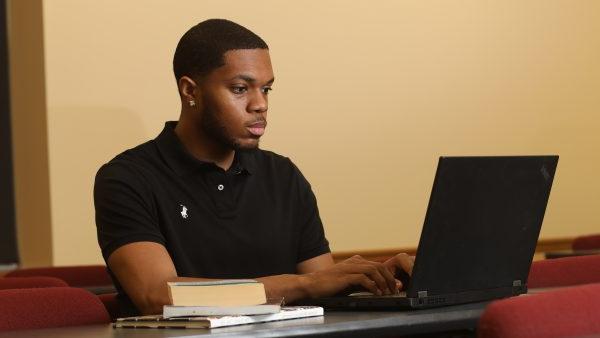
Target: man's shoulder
{"x":277,"y":167}
{"x":266,"y":159}
{"x":131,"y":161}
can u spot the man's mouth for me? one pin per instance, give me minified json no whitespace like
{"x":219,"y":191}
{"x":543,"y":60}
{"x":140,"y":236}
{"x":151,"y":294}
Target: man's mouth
{"x":257,"y":128}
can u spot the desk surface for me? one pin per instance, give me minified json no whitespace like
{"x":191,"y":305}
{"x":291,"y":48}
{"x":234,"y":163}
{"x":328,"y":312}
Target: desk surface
{"x":334,"y":323}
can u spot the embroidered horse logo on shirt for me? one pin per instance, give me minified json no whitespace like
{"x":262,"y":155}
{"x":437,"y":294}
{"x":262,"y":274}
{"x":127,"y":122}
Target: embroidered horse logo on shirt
{"x":184,"y":210}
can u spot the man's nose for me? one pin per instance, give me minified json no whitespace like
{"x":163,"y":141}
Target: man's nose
{"x":258,"y":103}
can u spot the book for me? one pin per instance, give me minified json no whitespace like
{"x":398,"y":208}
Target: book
{"x":158,"y":321}
{"x":272,"y":306}
{"x":230,"y":292}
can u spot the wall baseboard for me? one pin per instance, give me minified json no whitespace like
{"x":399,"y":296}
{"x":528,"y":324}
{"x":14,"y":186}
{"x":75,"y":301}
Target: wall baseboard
{"x":544,"y":245}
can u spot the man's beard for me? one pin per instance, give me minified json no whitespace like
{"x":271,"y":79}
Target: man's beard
{"x":214,"y":127}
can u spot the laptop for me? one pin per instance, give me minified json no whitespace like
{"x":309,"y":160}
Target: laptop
{"x":479,"y":236}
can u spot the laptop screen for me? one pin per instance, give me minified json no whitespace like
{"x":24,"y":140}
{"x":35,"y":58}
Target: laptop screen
{"x":482,"y":223}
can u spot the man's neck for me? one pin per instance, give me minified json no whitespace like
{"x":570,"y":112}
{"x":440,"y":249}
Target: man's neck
{"x":202,"y":147}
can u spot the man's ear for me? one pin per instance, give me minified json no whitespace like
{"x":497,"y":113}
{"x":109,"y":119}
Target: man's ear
{"x":188,"y":90}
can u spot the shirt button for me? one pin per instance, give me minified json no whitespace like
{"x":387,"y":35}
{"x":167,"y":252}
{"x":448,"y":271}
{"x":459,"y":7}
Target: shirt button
{"x":220,"y":187}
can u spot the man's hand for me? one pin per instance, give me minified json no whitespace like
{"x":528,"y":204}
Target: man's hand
{"x":400,"y":264}
{"x":378,"y":278}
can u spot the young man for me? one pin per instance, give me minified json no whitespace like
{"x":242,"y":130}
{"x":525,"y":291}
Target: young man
{"x":202,"y":201}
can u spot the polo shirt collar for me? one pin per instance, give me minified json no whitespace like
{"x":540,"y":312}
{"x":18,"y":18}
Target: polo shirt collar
{"x":183,"y":162}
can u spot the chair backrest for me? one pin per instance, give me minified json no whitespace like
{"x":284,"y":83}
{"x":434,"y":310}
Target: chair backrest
{"x":589,"y":242}
{"x":111,"y":304}
{"x":564,"y":271}
{"x":49,"y":307}
{"x":568,"y":312}
{"x":30,"y":282}
{"x":83,"y":275}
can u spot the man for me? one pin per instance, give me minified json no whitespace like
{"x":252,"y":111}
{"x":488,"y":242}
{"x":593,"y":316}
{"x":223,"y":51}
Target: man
{"x":201,"y":201}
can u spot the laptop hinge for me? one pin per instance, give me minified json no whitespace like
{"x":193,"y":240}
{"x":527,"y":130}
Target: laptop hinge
{"x":422,"y":294}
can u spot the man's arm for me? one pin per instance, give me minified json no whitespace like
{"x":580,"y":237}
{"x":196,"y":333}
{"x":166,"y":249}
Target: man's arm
{"x":321,"y":262}
{"x":144,"y":268}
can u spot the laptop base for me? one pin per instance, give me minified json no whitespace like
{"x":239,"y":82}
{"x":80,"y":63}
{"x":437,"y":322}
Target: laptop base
{"x":392,"y":303}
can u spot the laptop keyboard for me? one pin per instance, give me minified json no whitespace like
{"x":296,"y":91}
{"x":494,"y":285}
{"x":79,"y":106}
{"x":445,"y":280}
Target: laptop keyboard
{"x":402,"y":294}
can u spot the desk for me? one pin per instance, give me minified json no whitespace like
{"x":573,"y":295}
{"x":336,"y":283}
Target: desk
{"x":333,"y":324}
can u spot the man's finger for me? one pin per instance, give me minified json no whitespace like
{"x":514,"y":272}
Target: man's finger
{"x":365,"y":282}
{"x":371,"y":271}
{"x":403,"y":261}
{"x":377,"y":272}
{"x":387,"y":274}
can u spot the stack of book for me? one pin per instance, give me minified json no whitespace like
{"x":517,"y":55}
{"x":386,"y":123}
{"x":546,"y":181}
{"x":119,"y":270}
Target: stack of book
{"x":218,"y":304}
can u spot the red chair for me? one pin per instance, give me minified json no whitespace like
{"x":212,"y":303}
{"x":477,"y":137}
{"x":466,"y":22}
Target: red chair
{"x":589,"y":242}
{"x":111,"y":304}
{"x":30,"y":282}
{"x":80,"y":276}
{"x":564,"y":271}
{"x":49,"y":307}
{"x":568,"y":312}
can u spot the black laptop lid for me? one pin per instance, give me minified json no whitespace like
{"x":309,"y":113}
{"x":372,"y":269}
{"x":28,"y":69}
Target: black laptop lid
{"x":482,"y":223}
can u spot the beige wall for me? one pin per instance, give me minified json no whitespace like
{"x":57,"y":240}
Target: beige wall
{"x":368,"y":95}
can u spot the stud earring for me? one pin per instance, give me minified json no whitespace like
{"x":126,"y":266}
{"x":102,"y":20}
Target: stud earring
{"x":192,"y":103}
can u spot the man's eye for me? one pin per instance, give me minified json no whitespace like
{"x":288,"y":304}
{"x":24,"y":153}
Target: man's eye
{"x":238,"y":90}
{"x":266,"y":90}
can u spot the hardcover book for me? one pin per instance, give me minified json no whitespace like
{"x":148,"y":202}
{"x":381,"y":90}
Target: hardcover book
{"x":231,"y":292}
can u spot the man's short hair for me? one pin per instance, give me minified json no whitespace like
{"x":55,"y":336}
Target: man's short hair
{"x":201,"y":49}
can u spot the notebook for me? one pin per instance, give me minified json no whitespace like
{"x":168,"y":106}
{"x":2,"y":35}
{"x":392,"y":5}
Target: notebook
{"x":479,"y":236}
{"x":194,"y":322}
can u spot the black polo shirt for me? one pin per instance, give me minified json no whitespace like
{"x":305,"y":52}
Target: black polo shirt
{"x":258,"y":218}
